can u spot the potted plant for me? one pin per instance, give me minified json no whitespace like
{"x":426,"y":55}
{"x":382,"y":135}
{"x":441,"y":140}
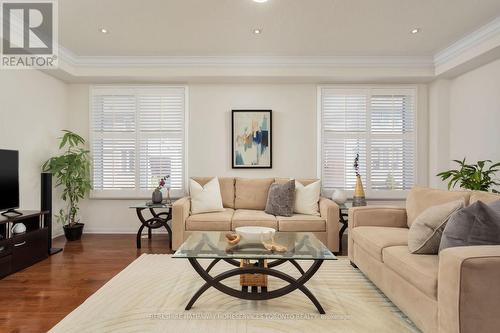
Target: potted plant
{"x":472,"y":176}
{"x":72,"y":171}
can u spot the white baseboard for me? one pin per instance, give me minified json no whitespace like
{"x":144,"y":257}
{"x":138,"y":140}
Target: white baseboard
{"x":119,"y":231}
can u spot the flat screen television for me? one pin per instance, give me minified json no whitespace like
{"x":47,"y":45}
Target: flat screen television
{"x":9,"y":179}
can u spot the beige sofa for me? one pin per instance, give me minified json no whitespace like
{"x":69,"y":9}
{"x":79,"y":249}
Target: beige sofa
{"x":455,"y":291}
{"x":244,"y":201}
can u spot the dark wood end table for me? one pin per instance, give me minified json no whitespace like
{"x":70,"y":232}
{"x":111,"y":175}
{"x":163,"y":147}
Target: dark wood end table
{"x":158,"y":220}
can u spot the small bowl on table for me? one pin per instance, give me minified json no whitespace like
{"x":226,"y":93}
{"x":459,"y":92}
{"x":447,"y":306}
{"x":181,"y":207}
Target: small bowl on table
{"x":255,"y":235}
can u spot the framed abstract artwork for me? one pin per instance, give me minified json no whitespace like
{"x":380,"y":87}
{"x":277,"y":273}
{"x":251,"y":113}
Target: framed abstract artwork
{"x":252,"y":145}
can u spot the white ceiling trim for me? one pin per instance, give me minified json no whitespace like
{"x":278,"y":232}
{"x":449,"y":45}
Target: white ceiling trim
{"x":228,"y":61}
{"x":488,"y":31}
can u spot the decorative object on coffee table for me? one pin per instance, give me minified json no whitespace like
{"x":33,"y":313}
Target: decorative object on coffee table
{"x":233,"y":238}
{"x":359,"y":193}
{"x":251,"y":139}
{"x":255,"y":235}
{"x":253,"y":280}
{"x":472,"y":176}
{"x":72,"y":170}
{"x":159,"y":220}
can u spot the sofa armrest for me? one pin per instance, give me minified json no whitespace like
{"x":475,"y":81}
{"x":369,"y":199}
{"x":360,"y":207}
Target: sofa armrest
{"x":181,"y":209}
{"x":469,"y":289}
{"x":329,"y":210}
{"x":377,"y":216}
{"x":373,"y":216}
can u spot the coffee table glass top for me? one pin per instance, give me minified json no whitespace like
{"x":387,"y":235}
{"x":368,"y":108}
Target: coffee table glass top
{"x":213,"y":245}
{"x":147,"y":205}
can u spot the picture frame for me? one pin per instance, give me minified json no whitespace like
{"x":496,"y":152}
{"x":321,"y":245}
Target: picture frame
{"x":251,"y":139}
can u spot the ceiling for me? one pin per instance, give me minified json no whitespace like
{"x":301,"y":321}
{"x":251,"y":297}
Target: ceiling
{"x":290,"y":27}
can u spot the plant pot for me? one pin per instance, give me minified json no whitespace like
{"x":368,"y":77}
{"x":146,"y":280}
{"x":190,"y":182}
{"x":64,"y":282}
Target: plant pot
{"x":74,"y":232}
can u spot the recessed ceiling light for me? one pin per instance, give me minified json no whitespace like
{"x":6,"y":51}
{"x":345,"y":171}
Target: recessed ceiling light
{"x":103,"y":30}
{"x":415,"y":30}
{"x":257,"y":31}
{"x":260,"y":1}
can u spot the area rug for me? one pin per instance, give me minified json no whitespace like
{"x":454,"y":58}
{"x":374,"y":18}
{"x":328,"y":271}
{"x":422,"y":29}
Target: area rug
{"x":150,"y":295}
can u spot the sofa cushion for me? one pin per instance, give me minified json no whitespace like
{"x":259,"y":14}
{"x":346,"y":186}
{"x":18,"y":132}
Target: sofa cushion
{"x":226,"y":188}
{"x":421,"y":198}
{"x":374,"y":239}
{"x":301,"y":222}
{"x":486,"y":197}
{"x":421,"y":270}
{"x":251,"y":193}
{"x":206,"y":198}
{"x":281,"y":198}
{"x":246,"y":217}
{"x":478,"y":224}
{"x":425,"y":232}
{"x":307,"y":198}
{"x":218,"y":221}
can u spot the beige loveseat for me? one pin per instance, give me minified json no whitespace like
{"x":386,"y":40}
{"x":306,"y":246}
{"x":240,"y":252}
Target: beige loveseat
{"x":457,"y":291}
{"x":244,"y":201}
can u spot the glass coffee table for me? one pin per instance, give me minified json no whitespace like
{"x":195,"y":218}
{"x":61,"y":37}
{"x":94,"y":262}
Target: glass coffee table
{"x":213,"y":245}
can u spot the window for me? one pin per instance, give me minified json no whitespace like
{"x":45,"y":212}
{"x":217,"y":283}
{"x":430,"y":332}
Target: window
{"x":137,"y":137}
{"x":379,"y":125}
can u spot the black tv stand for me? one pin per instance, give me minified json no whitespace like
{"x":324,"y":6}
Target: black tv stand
{"x":11,"y":213}
{"x":21,"y":250}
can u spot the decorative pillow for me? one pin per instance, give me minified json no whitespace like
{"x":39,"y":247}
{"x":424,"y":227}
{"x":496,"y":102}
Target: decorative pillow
{"x":281,"y":199}
{"x":307,"y":197}
{"x":478,"y":224}
{"x":205,"y":199}
{"x":425,"y":232}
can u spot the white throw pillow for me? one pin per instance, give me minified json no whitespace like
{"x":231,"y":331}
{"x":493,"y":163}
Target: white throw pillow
{"x":307,"y":198}
{"x":205,"y":199}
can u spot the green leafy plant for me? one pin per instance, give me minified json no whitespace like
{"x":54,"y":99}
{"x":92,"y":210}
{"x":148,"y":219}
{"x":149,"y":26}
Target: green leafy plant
{"x":72,"y":171}
{"x":472,"y":176}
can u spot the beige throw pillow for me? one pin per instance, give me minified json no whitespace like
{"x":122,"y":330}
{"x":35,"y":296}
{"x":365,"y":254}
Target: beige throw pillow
{"x":307,"y":198}
{"x":425,"y":232}
{"x":205,"y":199}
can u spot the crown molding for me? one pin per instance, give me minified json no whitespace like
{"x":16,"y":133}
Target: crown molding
{"x":252,"y":61}
{"x":473,"y":40}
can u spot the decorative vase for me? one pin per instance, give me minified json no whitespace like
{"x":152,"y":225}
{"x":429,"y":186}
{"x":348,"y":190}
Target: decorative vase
{"x":339,"y":196}
{"x":168,"y":201}
{"x":18,"y":228}
{"x":359,"y":194}
{"x":157,"y":196}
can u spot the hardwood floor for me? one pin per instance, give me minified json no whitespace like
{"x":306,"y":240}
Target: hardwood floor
{"x":35,"y":299}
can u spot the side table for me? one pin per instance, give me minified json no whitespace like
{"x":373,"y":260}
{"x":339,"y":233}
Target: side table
{"x":158,"y":220}
{"x":343,"y":214}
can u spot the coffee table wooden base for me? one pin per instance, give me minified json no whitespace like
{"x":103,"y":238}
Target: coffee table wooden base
{"x":255,"y":294}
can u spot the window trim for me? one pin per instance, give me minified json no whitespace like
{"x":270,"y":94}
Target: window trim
{"x":138,"y":194}
{"x":419,"y":147}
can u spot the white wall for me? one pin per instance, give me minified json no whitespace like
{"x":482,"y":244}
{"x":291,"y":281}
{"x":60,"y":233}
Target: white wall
{"x":464,"y":115}
{"x":475,"y":114}
{"x":439,"y":138}
{"x":293,"y":132}
{"x":33,"y":111}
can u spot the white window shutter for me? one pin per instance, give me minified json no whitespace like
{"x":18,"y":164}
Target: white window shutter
{"x":379,"y":124}
{"x":137,"y":136}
